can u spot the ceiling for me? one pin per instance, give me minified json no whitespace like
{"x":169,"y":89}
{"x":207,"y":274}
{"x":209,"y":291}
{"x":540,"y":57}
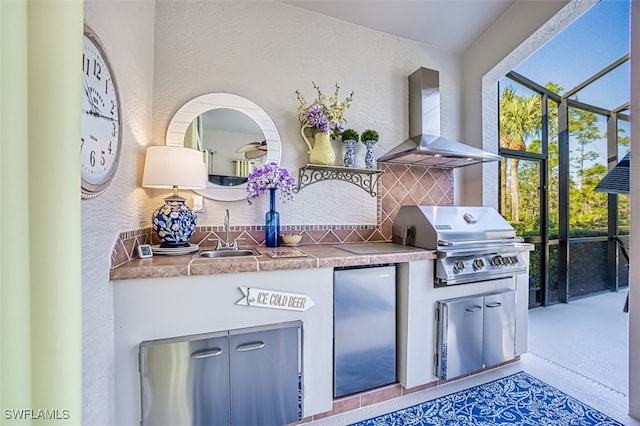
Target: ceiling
{"x":451,"y":25}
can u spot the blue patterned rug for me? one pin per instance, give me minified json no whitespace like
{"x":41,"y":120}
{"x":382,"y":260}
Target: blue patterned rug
{"x":519,"y":399}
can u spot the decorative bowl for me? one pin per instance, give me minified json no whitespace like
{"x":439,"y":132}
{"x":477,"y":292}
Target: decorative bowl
{"x":290,"y":239}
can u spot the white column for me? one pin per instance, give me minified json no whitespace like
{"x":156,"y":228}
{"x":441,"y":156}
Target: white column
{"x":55,"y":31}
{"x":15,"y":369}
{"x":634,"y":252}
{"x":40,"y":350}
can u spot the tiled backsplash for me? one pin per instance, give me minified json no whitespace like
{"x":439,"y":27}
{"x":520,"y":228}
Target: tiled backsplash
{"x":399,"y":185}
{"x":404,"y":185}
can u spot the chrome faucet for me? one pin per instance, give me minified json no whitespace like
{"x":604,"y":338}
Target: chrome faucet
{"x":227,"y":245}
{"x":226,"y":228}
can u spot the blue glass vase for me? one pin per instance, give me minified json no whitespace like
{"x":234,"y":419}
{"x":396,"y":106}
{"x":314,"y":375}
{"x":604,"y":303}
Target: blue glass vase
{"x":272,"y":222}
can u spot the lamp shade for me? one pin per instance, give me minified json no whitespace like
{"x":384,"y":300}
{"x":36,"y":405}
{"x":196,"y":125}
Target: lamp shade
{"x":173,"y":166}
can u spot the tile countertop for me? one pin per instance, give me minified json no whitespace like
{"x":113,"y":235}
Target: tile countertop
{"x":314,"y":256}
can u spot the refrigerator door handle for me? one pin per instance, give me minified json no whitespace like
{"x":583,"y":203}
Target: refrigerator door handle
{"x":250,"y":346}
{"x":493,"y":305}
{"x":473,"y":308}
{"x":206,"y":353}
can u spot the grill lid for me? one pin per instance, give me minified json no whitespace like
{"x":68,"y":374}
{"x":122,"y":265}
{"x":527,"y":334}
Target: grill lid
{"x":438,"y":227}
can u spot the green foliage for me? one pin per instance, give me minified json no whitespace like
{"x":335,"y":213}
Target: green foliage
{"x":350,"y":135}
{"x":524,"y":229}
{"x":369,"y":135}
{"x":520,"y":119}
{"x":520,"y":122}
{"x":623,"y":140}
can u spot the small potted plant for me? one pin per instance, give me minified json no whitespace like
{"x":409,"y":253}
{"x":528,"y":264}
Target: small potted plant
{"x":349,"y":138}
{"x":369,"y":138}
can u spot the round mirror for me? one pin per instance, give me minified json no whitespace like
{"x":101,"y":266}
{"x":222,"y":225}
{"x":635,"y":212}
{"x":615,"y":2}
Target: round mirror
{"x":233,"y":134}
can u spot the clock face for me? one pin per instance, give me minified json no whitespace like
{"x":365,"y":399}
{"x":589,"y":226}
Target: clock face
{"x":101,"y":136}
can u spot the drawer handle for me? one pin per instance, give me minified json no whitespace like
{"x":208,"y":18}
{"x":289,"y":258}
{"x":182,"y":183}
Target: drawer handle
{"x":206,"y":353}
{"x":473,"y":308}
{"x":494,"y":305}
{"x":250,"y":346}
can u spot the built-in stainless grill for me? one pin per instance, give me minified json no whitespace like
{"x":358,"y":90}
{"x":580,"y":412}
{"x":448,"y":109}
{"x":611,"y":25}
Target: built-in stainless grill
{"x":472,"y":243}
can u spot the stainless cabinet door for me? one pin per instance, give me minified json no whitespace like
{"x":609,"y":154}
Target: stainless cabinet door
{"x":210,"y":377}
{"x":185,"y":382}
{"x":499,"y":327}
{"x":265,"y":382}
{"x":460,"y":336}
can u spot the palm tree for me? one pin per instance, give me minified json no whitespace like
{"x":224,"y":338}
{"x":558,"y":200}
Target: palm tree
{"x":520,"y":119}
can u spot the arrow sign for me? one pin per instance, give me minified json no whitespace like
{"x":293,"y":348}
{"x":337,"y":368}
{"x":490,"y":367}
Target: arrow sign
{"x":262,"y":298}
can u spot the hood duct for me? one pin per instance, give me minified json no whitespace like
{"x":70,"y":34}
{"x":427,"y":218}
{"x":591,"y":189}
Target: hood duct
{"x":617,"y":180}
{"x":426,"y":147}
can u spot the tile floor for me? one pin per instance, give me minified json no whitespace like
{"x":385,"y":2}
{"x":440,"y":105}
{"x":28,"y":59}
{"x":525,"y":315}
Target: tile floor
{"x":580,"y":348}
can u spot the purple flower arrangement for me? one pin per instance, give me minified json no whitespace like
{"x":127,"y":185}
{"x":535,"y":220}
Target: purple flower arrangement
{"x":267,"y":177}
{"x":317,"y":118}
{"x":324,"y":115}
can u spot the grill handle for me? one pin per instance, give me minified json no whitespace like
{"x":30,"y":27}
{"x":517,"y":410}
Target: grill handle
{"x":446,"y":243}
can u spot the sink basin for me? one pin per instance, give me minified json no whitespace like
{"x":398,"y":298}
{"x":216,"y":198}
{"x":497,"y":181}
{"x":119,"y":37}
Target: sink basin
{"x":228,"y":253}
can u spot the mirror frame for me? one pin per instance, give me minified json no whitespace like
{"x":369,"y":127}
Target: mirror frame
{"x":210,"y":101}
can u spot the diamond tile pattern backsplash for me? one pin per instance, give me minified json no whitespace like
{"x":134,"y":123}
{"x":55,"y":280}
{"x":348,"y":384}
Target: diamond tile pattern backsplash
{"x":399,"y":185}
{"x":405,"y":185}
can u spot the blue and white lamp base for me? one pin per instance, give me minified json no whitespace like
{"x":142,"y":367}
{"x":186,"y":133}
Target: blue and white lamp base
{"x":174,"y":222}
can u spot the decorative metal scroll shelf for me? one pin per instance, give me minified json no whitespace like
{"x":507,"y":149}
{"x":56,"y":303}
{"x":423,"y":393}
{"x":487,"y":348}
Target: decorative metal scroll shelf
{"x":366,"y":179}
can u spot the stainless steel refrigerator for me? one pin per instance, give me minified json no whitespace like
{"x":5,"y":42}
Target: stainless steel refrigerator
{"x":364,"y":328}
{"x":240,"y":377}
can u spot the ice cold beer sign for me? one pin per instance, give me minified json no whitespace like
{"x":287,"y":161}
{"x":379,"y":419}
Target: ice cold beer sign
{"x":262,"y":298}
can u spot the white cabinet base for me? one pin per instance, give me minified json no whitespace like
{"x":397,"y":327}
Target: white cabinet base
{"x":417,"y":300}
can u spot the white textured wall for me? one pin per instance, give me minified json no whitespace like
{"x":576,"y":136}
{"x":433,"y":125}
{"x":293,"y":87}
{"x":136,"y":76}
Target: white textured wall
{"x":490,"y":100}
{"x":266,"y":50}
{"x":478,"y":185}
{"x":204,"y":304}
{"x":126,"y":31}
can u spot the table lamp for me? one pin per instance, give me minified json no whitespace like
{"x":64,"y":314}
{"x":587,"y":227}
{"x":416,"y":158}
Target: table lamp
{"x":174,"y":167}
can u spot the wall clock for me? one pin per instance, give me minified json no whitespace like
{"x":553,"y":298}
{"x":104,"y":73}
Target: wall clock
{"x":101,"y":137}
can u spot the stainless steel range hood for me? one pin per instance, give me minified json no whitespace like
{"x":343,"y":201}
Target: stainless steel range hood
{"x":426,"y":147}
